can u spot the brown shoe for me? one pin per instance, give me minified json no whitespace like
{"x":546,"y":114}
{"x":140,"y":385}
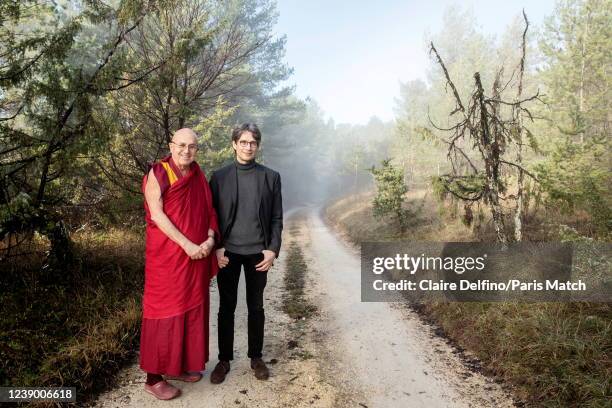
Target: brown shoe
{"x":162,"y":390}
{"x":261,"y":371}
{"x":218,"y":374}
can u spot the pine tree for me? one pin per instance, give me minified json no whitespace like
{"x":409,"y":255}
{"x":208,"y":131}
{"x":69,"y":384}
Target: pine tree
{"x":577,"y":45}
{"x":390,"y":191}
{"x":48,"y":93}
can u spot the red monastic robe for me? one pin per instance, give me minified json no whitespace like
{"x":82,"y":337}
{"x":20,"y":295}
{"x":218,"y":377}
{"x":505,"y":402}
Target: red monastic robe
{"x":174,"y":334}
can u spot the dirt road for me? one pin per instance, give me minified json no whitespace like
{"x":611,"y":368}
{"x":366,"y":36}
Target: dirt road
{"x":351,"y":354}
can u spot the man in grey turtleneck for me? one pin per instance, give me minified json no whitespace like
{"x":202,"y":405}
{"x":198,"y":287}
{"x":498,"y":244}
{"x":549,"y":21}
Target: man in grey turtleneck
{"x":246,"y":235}
{"x":248,"y":201}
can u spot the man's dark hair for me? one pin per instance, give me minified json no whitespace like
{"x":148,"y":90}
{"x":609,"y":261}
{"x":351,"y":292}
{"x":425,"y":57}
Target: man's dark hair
{"x":246,"y":127}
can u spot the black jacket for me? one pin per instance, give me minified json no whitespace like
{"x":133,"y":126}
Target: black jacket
{"x":224,"y":187}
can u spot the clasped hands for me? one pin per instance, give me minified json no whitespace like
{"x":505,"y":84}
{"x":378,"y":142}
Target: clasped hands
{"x":199,"y":251}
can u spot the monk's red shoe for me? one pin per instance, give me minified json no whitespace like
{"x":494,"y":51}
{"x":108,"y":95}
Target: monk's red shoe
{"x":187,"y":377}
{"x":162,"y":390}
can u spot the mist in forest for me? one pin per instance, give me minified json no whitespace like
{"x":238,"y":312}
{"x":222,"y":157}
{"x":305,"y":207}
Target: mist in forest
{"x":545,"y":89}
{"x":92,"y":96}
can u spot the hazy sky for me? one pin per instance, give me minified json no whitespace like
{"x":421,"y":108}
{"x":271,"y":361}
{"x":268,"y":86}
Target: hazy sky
{"x":351,"y":55}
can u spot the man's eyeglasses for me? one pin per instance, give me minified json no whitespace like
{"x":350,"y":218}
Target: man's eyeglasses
{"x":183,"y":146}
{"x":245,"y":144}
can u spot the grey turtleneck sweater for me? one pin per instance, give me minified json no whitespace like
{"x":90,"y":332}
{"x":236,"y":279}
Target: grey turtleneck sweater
{"x":246,"y":235}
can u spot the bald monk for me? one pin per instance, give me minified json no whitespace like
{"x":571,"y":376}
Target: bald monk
{"x":179,"y":262}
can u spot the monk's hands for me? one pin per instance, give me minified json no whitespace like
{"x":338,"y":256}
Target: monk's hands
{"x":193,"y":251}
{"x":222,"y":260}
{"x":206,"y":247}
{"x":267,"y":262}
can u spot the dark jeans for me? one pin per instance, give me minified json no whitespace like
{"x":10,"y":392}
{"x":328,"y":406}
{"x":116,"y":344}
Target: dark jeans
{"x":227,"y":282}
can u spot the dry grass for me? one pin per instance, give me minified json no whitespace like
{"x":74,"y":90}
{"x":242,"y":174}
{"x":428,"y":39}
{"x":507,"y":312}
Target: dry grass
{"x":555,"y":354}
{"x":430,"y":222}
{"x":79,"y":330}
{"x":294,"y":303}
